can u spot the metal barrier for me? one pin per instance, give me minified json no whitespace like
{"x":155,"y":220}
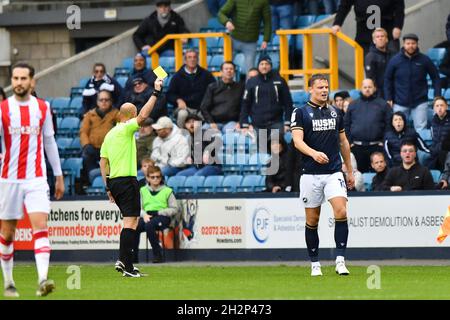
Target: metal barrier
{"x":178,"y":46}
{"x":308,"y":69}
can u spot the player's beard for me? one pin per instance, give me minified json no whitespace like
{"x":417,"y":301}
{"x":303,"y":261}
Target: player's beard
{"x":21,"y":93}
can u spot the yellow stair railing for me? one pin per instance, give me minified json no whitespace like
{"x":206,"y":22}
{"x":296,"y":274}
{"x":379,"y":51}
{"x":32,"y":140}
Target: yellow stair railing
{"x":202,"y":50}
{"x":308,"y":69}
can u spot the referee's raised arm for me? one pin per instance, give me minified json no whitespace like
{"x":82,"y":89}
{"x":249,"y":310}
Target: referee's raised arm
{"x":148,"y":107}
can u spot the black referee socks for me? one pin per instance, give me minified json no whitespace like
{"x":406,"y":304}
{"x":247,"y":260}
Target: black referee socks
{"x":127,"y":242}
{"x":341,"y":236}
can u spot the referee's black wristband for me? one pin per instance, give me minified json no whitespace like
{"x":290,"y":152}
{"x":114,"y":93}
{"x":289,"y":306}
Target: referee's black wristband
{"x":156,"y":93}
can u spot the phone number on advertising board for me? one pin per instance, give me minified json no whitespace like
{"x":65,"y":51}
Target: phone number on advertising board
{"x":221,"y":230}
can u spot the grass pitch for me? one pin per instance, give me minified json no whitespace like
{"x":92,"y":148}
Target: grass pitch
{"x":165,"y":282}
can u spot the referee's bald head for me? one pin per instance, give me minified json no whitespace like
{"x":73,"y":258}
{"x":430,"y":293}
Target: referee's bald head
{"x":127,"y":111}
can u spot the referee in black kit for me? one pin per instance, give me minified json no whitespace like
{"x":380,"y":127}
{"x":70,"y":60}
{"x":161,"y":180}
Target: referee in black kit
{"x":119,"y":171}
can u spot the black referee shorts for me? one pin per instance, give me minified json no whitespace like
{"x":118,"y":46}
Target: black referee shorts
{"x":125,"y":191}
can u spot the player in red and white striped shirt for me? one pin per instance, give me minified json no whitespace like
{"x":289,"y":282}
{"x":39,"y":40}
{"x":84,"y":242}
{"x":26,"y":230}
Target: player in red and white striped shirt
{"x":26,"y":129}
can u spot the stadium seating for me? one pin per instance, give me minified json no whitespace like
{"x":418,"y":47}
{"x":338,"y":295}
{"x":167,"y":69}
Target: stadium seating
{"x":59,"y":104}
{"x":128,"y":63}
{"x":121,"y":72}
{"x":97,"y":188}
{"x":436,"y":175}
{"x":69,"y":127}
{"x":83,"y":82}
{"x":210,"y":184}
{"x":436,"y":55}
{"x":299,"y":97}
{"x":72,"y":169}
{"x":122,"y":80}
{"x":63,"y":144}
{"x":176,"y":182}
{"x":355,"y":94}
{"x":249,"y":183}
{"x":191,"y":184}
{"x":304,"y":21}
{"x":368,"y":176}
{"x":230,"y":183}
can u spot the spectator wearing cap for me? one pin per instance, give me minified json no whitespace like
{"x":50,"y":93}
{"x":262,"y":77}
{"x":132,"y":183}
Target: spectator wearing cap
{"x":221,"y":104}
{"x":140,"y":70}
{"x":440,"y":134}
{"x":161,"y":22}
{"x":170,"y":149}
{"x":243,"y":20}
{"x":405,"y":81}
{"x":391,"y":18}
{"x":95,"y":125}
{"x":100,"y":80}
{"x":187,"y":87}
{"x":203,"y":144}
{"x":378,"y":58}
{"x":140,"y":95}
{"x":366,"y":121}
{"x":144,"y":140}
{"x":267,"y":102}
{"x":341,"y":100}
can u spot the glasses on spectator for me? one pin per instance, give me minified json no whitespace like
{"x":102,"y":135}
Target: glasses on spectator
{"x":154,"y":177}
{"x":104,"y":100}
{"x":138,"y":83}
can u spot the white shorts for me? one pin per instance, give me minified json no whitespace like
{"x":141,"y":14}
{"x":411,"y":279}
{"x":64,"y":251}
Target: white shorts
{"x":315,"y":189}
{"x":32,"y":195}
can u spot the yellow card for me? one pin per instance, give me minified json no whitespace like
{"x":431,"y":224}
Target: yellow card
{"x":160,"y":73}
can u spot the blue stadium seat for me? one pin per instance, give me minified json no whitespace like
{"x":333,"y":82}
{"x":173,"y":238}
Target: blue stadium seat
{"x":239,"y":60}
{"x":436,"y":55}
{"x":63,"y":144}
{"x":60,"y":103}
{"x":69,"y":126}
{"x":262,"y":185}
{"x":230,"y":183}
{"x":430,"y":95}
{"x":76,"y":92}
{"x":299,"y":97}
{"x":72,"y":169}
{"x":214,"y":23}
{"x":304,"y":21}
{"x":83,"y":82}
{"x":321,"y":17}
{"x":74,"y":107}
{"x":447,"y":95}
{"x":249,"y":183}
{"x":97,"y":187}
{"x":256,"y":163}
{"x":436,"y":175}
{"x":191,"y":184}
{"x":176,"y":182}
{"x":128,"y":63}
{"x":210,"y":184}
{"x":168,"y":63}
{"x":215,"y":63}
{"x":355,"y":94}
{"x":74,"y":150}
{"x":122,"y":80}
{"x":121,"y":72}
{"x":368,"y":176}
{"x":288,"y":137}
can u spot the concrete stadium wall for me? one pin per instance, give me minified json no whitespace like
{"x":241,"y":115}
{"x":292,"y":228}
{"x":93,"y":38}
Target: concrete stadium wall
{"x":431,"y":31}
{"x":59,"y":78}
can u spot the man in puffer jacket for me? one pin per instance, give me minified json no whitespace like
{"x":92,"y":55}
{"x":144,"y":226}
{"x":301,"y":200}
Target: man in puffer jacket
{"x":170,"y":149}
{"x":267,"y":102}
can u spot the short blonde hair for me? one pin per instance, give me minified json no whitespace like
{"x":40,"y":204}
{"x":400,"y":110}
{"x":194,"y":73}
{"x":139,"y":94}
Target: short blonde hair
{"x":379,"y":30}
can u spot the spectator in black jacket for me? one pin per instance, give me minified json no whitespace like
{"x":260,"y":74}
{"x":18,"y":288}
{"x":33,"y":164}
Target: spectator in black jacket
{"x":366,"y":122}
{"x":282,"y":180}
{"x":141,"y":93}
{"x":267,"y":102}
{"x":100,"y":81}
{"x":140,"y":70}
{"x":187,"y":88}
{"x":392,"y":19}
{"x":378,"y":163}
{"x":221,"y":104}
{"x":377,"y":59}
{"x":405,"y":81}
{"x":440,"y":132}
{"x":399,"y":132}
{"x":409,"y":175}
{"x":160,"y":23}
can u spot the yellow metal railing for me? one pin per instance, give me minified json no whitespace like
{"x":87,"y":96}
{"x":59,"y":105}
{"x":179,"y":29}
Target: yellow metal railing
{"x":202,"y":50}
{"x":308,"y":69}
